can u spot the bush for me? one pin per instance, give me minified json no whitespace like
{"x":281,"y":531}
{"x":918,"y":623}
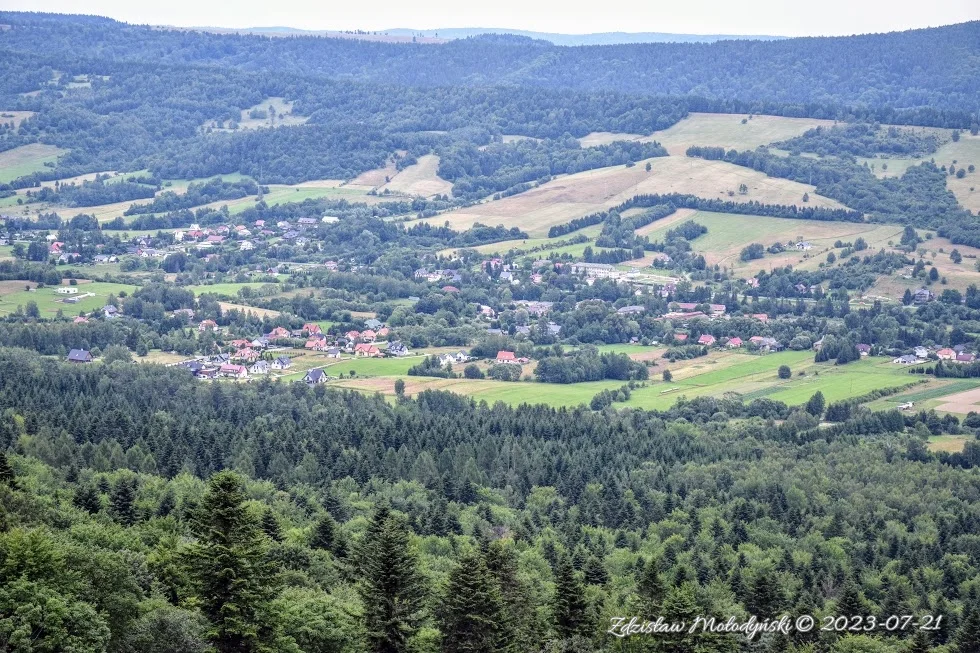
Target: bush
{"x":784,"y":372}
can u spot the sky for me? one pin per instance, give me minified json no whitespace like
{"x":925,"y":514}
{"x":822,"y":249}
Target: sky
{"x":761,"y":17}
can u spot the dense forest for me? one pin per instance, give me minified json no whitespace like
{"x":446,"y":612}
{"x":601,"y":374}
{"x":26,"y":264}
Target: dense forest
{"x":896,"y":70}
{"x":529,"y":528}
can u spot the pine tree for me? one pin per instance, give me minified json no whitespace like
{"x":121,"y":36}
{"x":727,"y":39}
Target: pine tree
{"x":123,"y":501}
{"x":519,"y":613}
{"x":569,"y":602}
{"x":595,"y":572}
{"x":967,"y":639}
{"x":391,"y":588}
{"x":234,"y":582}
{"x":920,"y":642}
{"x":472,"y":612}
{"x":7,"y":476}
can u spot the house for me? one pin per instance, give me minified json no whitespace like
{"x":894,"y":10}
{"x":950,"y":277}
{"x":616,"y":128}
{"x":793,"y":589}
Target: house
{"x":965,"y":358}
{"x":259,"y":343}
{"x":907,"y":359}
{"x":397,"y":348}
{"x":315,"y":344}
{"x":506,"y":357}
{"x":366,"y":350}
{"x":383,"y":332}
{"x":110,"y":311}
{"x":707,"y":339}
{"x":79,"y":356}
{"x":233,"y":371}
{"x":282,"y":363}
{"x":906,"y":406}
{"x":734,"y":343}
{"x":311,"y":328}
{"x":630,"y":310}
{"x":214,"y":239}
{"x":553,"y":329}
{"x":817,"y":345}
{"x":239,"y":343}
{"x":246,"y":246}
{"x":247,"y":354}
{"x":277,"y":333}
{"x":762,"y":317}
{"x":207,"y":325}
{"x":864,"y":349}
{"x":594,"y":270}
{"x":461,"y":356}
{"x":803,"y":246}
{"x":922,"y":296}
{"x":921,"y":352}
{"x":680,"y":337}
{"x":368,"y":335}
{"x":67,"y":290}
{"x":946,"y":354}
{"x":352,"y":335}
{"x":373,"y":323}
{"x":80,"y":320}
{"x":333,"y":352}
{"x":307,"y":221}
{"x":261,"y":367}
{"x":447,"y":359}
{"x":486,"y":311}
{"x":315,"y":377}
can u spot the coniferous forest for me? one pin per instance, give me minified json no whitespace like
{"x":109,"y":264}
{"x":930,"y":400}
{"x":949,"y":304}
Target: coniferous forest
{"x":146,"y":510}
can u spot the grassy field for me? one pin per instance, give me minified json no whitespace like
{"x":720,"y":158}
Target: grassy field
{"x":964,"y":152}
{"x":420,"y":179}
{"x":755,"y":376}
{"x":13,"y":294}
{"x":947,"y":443}
{"x":26,"y":159}
{"x":729,"y":233}
{"x":281,"y":116}
{"x":573,"y":196}
{"x":228,"y":289}
{"x":719,"y":129}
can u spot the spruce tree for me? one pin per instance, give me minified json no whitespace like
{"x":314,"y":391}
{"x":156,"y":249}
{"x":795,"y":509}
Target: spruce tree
{"x":569,"y":603}
{"x":87,"y":498}
{"x":391,"y":588}
{"x":967,"y":639}
{"x":651,"y":589}
{"x":234,"y":582}
{"x":851,"y":603}
{"x":472,"y":614}
{"x":324,"y":534}
{"x":519,"y":613}
{"x":765,"y":597}
{"x":123,"y":501}
{"x":270,"y":526}
{"x":7,"y":476}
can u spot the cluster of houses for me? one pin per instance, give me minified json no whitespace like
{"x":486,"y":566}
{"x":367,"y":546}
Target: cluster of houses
{"x":224,"y":366}
{"x":956,"y":354}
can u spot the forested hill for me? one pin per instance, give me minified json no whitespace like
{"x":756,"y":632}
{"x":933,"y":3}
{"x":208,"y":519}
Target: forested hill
{"x":920,"y":68}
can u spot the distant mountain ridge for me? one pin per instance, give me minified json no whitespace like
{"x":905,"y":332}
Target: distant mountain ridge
{"x":596,"y":38}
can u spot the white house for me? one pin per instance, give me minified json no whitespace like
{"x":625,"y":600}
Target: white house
{"x":67,"y":290}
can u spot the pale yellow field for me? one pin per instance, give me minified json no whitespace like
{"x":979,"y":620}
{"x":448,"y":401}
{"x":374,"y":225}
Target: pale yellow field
{"x":15,"y":117}
{"x":420,"y":179}
{"x":373,"y":178}
{"x":726,"y":130}
{"x":573,"y":196}
{"x":958,"y":275}
{"x":282,"y":108}
{"x":258,"y":312}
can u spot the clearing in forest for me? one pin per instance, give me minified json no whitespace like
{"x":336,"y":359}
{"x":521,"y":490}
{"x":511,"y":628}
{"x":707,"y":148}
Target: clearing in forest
{"x":420,"y":179}
{"x":24,"y":160}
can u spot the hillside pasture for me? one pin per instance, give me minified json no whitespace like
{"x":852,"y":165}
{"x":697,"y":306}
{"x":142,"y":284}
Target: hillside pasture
{"x":753,"y":376}
{"x":420,"y":179}
{"x":965,"y":152}
{"x":23,"y":160}
{"x":573,"y":196}
{"x":91,"y":297}
{"x":729,"y":233}
{"x":15,"y":117}
{"x":726,"y":130}
{"x":280,"y":116}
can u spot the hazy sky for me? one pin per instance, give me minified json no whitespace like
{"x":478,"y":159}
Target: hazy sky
{"x":774,"y":17}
